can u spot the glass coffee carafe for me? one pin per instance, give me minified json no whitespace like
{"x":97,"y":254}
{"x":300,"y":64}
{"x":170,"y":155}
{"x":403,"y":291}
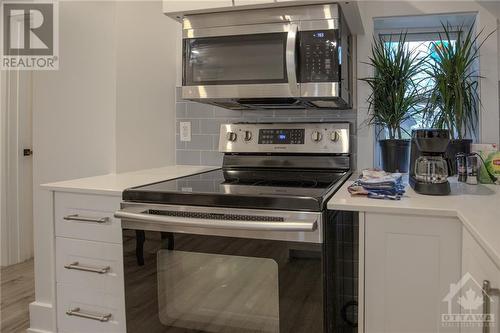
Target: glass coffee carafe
{"x":428,"y":165}
{"x":431,"y":169}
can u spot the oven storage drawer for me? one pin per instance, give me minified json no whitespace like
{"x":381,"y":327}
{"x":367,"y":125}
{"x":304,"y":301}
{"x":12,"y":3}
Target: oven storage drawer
{"x":96,"y":265}
{"x":85,"y":310}
{"x":89,"y":217}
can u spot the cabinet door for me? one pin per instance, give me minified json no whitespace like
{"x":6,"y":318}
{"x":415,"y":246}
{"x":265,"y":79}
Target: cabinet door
{"x":410,"y":262}
{"x":176,"y":6}
{"x":477,"y":265}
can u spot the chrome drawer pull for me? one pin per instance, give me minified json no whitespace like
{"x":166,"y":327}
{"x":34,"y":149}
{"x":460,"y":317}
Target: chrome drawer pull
{"x":76,"y":217}
{"x":488,"y":292}
{"x":77,"y":312}
{"x":76,"y":266}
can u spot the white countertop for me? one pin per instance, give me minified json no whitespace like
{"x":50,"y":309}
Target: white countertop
{"x":115,"y":183}
{"x":476,"y":206}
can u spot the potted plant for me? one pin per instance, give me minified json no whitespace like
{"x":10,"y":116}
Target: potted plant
{"x":394,"y":97}
{"x":455,"y":102}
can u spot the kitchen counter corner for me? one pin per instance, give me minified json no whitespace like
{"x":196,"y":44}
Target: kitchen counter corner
{"x":476,"y":206}
{"x":113,"y":184}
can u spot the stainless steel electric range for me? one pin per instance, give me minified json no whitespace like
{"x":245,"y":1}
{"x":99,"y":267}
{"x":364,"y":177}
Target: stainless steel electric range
{"x":249,"y":247}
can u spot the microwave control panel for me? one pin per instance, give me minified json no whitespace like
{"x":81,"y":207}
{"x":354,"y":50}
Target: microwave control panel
{"x":319,"y":56}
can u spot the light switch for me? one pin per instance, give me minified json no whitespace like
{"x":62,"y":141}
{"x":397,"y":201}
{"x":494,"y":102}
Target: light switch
{"x":185,"y":129}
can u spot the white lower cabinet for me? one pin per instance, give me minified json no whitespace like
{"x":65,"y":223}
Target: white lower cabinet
{"x":410,"y":262}
{"x":85,"y":216}
{"x":82,"y":310}
{"x":90,"y":294}
{"x":93,"y":265}
{"x":478,"y":267}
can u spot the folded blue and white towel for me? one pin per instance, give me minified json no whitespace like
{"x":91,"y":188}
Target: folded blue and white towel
{"x":378,"y":184}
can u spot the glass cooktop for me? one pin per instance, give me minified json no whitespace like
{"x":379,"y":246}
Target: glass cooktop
{"x":244,"y":188}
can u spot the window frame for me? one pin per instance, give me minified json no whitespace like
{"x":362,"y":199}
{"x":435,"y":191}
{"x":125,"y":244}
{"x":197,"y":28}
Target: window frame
{"x":416,"y":35}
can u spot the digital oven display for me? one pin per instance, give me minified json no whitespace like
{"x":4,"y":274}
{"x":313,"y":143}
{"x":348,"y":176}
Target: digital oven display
{"x":286,"y":136}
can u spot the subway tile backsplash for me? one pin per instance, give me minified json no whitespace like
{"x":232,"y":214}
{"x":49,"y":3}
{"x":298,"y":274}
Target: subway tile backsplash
{"x":206,"y":120}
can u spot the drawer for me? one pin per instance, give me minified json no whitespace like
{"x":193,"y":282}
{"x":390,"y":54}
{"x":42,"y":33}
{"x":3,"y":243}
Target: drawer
{"x":79,"y":310}
{"x":477,"y":263}
{"x":88,"y":217}
{"x":95,"y":265}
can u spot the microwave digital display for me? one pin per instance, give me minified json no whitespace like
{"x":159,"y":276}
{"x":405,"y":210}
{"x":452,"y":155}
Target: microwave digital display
{"x":319,"y":56}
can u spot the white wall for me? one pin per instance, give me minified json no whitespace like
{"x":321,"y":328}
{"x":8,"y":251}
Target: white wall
{"x":489,"y":124}
{"x":3,"y":217}
{"x":110,"y":107}
{"x":73,"y":121}
{"x":145,"y":91}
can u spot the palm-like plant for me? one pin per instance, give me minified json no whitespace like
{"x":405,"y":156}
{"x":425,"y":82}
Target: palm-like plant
{"x":395,"y":93}
{"x":455,"y":102}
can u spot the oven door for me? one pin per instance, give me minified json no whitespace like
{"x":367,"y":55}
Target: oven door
{"x":191,"y":269}
{"x":248,"y":61}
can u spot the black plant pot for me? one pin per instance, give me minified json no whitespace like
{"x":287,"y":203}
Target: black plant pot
{"x":395,"y":155}
{"x":455,"y":147}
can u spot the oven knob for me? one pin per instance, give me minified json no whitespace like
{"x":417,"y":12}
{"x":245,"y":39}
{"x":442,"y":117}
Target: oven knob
{"x":335,"y":136}
{"x":231,"y":136}
{"x":316,"y":136}
{"x":248,"y":135}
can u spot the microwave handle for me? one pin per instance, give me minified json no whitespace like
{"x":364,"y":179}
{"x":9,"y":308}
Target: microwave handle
{"x":291,"y":56}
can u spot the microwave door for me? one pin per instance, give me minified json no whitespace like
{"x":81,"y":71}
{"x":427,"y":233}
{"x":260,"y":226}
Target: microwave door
{"x":242,"y":63}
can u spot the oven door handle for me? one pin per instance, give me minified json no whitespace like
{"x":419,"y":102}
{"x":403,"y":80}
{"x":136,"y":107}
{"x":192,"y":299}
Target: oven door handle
{"x":306,"y":225}
{"x":291,"y":59}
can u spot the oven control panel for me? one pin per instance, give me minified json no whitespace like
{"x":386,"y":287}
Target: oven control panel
{"x":319,"y":56}
{"x":285,"y":138}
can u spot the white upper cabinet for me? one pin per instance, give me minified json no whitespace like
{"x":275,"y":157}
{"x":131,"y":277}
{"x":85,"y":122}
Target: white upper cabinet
{"x":176,"y":9}
{"x":171,"y":7}
{"x":252,"y":2}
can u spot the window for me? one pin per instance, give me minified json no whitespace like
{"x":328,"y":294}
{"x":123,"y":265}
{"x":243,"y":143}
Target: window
{"x":423,"y":44}
{"x":422,"y":31}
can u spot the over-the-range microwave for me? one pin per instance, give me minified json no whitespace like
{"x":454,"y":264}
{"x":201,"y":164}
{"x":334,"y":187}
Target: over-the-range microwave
{"x":273,"y":58}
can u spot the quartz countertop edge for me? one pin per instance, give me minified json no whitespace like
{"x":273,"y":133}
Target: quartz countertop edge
{"x":114,"y":184}
{"x":476,"y":206}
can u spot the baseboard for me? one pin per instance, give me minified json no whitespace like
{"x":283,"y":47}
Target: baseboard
{"x":42,"y":318}
{"x":34,"y":330}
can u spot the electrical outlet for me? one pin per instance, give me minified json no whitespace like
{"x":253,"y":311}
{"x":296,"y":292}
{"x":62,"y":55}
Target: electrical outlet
{"x":185,"y":129}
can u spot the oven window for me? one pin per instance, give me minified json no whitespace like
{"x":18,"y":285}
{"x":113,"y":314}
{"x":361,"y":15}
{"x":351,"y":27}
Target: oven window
{"x":232,"y":60}
{"x":215,"y":293}
{"x":186,"y":283}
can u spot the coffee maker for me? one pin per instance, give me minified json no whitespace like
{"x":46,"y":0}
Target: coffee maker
{"x":428,"y":166}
